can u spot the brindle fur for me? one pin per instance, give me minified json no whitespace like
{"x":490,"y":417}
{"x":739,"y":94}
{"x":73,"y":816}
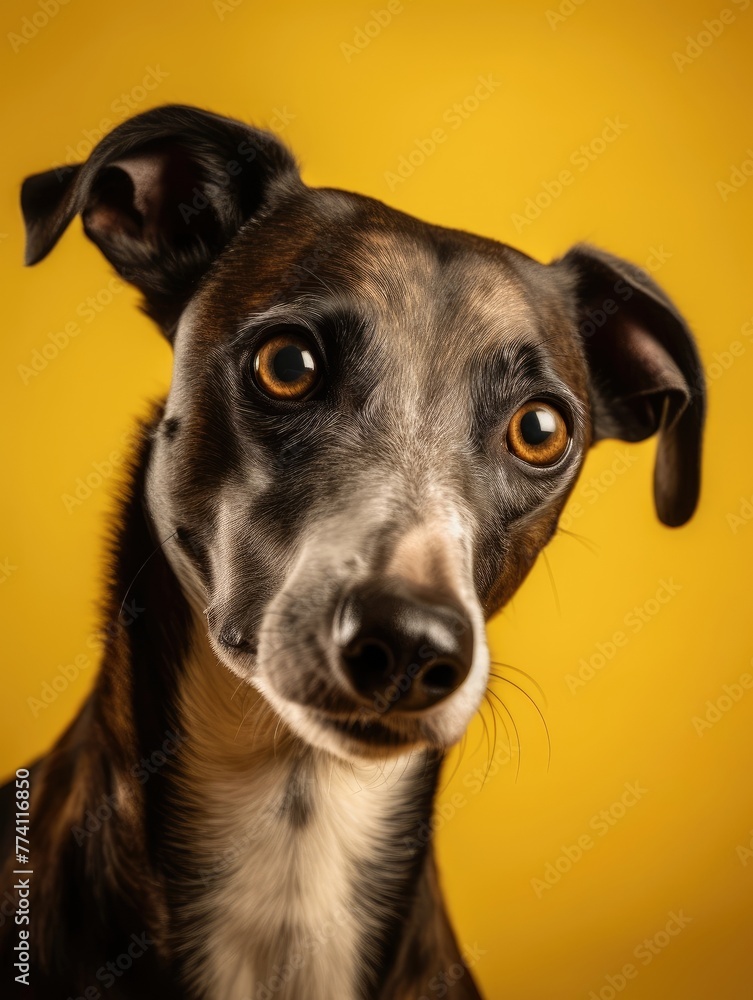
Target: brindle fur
{"x":431,"y":336}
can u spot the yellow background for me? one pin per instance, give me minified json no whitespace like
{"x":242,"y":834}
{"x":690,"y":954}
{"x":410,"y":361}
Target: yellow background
{"x":350,"y":115}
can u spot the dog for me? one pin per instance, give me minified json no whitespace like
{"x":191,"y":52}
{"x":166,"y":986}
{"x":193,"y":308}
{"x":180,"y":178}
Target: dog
{"x":373,"y":426}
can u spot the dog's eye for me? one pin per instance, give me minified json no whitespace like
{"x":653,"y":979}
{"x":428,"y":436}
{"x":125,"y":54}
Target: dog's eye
{"x":537,"y":434}
{"x":286,"y":367}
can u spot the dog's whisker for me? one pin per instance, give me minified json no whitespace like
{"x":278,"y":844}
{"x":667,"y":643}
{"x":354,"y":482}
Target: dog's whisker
{"x":260,"y":717}
{"x":539,"y":713}
{"x":548,"y":565}
{"x":237,"y":689}
{"x":494,"y":726}
{"x":407,"y":765}
{"x":477,"y":747}
{"x":141,"y":567}
{"x":447,"y":783}
{"x":509,"y":666}
{"x":244,"y":716}
{"x":274,"y":738}
{"x":500,"y":677}
{"x":489,"y":751}
{"x":588,"y":543}
{"x":515,"y":730}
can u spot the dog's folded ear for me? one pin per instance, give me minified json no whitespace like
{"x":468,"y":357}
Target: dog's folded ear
{"x":646,"y":375}
{"x":161,"y":195}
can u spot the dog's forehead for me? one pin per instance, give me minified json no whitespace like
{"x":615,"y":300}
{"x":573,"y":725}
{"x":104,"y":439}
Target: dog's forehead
{"x":433,"y":286}
{"x":414,"y":284}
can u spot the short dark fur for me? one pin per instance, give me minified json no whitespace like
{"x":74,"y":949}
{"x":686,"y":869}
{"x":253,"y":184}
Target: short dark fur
{"x":206,"y":214}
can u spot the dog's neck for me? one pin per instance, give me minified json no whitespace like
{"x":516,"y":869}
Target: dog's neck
{"x":257,"y":865}
{"x":292,"y":852}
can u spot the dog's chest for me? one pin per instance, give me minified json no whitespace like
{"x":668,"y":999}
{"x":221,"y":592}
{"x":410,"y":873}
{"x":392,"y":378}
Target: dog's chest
{"x":282,"y":860}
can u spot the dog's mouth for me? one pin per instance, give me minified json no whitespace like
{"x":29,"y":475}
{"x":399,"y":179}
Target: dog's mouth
{"x":357,"y":733}
{"x":368,"y":731}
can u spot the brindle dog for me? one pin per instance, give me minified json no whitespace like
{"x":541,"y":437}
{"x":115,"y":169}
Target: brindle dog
{"x":372,"y":428}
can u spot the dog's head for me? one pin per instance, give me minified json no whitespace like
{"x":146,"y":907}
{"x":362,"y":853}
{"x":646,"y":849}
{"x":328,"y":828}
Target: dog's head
{"x":373,"y":424}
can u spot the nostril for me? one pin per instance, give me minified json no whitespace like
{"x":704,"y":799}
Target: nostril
{"x":375,"y":657}
{"x":370,"y":662}
{"x":441,"y":678}
{"x":399,"y":648}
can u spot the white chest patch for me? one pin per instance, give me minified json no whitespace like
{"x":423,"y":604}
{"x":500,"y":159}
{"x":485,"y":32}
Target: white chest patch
{"x":279,"y":838}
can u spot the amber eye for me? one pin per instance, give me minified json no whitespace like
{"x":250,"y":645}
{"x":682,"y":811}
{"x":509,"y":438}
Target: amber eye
{"x":537,"y":434}
{"x":285,"y":366}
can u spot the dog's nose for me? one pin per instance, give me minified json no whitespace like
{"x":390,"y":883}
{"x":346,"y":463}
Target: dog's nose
{"x":401,"y":650}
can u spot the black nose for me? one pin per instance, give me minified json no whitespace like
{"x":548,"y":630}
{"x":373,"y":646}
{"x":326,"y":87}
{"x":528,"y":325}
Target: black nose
{"x":401,"y":650}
